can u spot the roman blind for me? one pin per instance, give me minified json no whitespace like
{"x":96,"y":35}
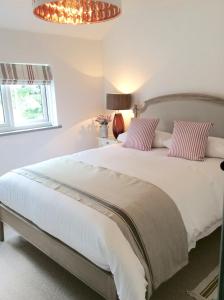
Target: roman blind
{"x":25,"y":74}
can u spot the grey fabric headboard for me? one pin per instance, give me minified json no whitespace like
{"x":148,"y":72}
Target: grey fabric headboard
{"x":188,"y":107}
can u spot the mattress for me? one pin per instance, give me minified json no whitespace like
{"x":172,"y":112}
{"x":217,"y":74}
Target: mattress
{"x":197,"y":188}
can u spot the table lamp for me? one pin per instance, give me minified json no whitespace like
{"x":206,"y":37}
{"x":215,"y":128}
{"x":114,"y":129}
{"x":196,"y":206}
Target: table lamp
{"x":118,"y":102}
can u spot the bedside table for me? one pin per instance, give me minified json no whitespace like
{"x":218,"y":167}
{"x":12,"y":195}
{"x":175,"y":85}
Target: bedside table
{"x":102,"y":142}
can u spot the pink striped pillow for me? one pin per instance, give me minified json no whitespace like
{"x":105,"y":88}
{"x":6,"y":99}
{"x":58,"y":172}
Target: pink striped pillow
{"x":189,"y":140}
{"x":141,"y":134}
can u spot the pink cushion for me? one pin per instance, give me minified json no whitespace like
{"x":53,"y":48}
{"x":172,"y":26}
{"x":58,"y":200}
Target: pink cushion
{"x":189,"y":140}
{"x":141,"y":134}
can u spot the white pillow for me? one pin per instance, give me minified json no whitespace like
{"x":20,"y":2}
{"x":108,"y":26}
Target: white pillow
{"x":214,"y":149}
{"x":159,"y":140}
{"x":122,"y":137}
{"x":167,"y":143}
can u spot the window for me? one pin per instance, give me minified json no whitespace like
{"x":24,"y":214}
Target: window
{"x":26,"y":103}
{"x":2,"y":119}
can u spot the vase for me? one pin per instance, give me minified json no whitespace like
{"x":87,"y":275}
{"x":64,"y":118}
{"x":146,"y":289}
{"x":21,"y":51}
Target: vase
{"x":103,"y":133}
{"x":118,"y":125}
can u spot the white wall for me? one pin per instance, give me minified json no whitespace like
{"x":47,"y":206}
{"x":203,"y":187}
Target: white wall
{"x":166,"y":46}
{"x":156,"y":47}
{"x":77,"y":70}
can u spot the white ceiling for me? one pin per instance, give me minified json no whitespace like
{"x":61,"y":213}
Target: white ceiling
{"x":17,"y":14}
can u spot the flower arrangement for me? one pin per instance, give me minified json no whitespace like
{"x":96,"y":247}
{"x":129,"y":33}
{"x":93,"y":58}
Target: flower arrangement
{"x":103,"y":119}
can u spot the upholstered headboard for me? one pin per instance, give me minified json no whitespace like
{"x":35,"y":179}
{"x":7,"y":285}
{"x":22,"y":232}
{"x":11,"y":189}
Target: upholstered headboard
{"x":189,"y":107}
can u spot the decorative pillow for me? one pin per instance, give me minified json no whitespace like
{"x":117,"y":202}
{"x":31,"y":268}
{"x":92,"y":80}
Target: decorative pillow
{"x":189,"y":140}
{"x":160,"y":138}
{"x":141,"y":134}
{"x":215,"y":147}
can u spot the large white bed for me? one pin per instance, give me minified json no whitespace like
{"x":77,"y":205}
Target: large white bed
{"x":197,"y":189}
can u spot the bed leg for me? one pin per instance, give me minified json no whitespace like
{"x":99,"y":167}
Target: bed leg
{"x":1,"y":232}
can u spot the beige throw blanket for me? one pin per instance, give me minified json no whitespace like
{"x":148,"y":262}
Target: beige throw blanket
{"x":146,"y":215}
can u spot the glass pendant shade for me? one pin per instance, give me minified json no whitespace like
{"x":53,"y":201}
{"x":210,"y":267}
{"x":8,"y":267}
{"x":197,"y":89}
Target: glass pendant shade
{"x":76,"y":11}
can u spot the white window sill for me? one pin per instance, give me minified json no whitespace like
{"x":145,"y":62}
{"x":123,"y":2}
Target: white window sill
{"x":20,"y":131}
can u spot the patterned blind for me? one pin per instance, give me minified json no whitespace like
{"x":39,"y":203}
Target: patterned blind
{"x":25,"y":74}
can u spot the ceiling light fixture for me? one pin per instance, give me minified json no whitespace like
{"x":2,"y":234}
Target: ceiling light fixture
{"x":76,"y":11}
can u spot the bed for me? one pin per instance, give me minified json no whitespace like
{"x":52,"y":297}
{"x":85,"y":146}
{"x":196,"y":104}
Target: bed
{"x":48,"y":218}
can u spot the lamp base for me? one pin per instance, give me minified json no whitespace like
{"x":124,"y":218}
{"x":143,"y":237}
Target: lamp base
{"x":118,"y":125}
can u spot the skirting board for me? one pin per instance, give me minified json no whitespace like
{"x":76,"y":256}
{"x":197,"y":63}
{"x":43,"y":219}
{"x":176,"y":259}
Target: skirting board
{"x":96,"y":278}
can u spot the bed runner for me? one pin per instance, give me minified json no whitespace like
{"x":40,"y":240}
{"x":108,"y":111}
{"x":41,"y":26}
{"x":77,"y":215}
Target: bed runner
{"x":147,"y":216}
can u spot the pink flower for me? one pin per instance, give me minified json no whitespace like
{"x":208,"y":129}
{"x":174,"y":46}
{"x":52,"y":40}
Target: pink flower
{"x":103,"y":119}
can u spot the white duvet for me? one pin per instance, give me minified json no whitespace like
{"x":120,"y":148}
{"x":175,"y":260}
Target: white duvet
{"x":197,"y":188}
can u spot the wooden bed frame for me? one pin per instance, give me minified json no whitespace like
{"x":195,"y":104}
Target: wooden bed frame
{"x":96,"y":278}
{"x":167,"y":108}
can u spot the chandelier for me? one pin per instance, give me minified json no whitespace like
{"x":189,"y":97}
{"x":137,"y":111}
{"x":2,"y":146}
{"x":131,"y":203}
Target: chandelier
{"x":76,"y":11}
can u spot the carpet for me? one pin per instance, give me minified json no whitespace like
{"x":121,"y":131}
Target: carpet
{"x":208,"y":288}
{"x":27,"y":274}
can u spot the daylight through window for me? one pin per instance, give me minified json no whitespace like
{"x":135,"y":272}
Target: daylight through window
{"x":27,"y":101}
{"x":2,"y":121}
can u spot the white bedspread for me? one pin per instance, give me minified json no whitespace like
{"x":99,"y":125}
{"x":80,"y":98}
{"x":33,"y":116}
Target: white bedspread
{"x":197,"y":188}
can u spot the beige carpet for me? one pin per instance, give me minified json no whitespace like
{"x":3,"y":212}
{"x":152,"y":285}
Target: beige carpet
{"x":27,"y":274}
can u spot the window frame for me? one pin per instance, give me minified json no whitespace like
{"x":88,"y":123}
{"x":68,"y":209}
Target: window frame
{"x":5,"y":113}
{"x":48,"y":105}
